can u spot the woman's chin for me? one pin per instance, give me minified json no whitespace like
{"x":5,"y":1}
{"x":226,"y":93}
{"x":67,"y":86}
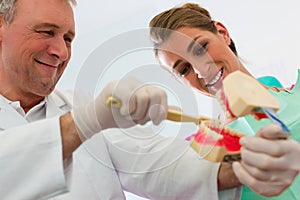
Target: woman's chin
{"x":214,"y":88}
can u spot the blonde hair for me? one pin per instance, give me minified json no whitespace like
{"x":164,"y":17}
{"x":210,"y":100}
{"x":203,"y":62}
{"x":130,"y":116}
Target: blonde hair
{"x":7,"y":9}
{"x":187,"y":15}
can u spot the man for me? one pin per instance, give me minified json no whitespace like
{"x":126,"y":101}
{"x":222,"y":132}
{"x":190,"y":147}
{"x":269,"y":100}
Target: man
{"x":40,"y":132}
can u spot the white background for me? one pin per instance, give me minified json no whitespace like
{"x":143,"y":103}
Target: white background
{"x":266,"y":33}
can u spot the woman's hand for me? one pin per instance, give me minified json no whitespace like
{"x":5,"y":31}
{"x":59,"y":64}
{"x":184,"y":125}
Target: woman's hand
{"x":269,"y":165}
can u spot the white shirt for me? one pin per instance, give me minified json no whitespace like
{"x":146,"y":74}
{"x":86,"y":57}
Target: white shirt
{"x":36,"y":113}
{"x":110,"y":162}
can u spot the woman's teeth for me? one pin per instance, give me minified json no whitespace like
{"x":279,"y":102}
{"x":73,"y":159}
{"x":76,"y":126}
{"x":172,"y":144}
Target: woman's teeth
{"x":216,"y":79}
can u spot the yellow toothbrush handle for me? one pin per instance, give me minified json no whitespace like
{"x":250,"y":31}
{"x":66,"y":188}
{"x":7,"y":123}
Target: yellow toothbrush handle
{"x":114,"y":102}
{"x":173,"y":115}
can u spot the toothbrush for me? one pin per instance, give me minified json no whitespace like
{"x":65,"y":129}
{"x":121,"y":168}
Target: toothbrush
{"x":212,"y":141}
{"x":172,"y":115}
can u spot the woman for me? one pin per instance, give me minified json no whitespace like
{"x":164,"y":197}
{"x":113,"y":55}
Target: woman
{"x":201,"y":53}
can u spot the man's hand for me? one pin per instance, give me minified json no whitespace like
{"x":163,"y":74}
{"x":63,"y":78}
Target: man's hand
{"x":140,"y":103}
{"x":269,"y":165}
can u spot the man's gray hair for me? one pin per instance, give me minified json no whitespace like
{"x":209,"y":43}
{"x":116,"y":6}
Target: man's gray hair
{"x":7,"y":9}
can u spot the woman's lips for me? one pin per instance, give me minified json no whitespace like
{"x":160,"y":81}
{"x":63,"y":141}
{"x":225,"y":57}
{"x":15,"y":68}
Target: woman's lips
{"x":216,"y":79}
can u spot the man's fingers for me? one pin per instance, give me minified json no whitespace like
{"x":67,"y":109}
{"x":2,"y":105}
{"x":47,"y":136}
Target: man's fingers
{"x":142,"y":105}
{"x":158,"y":109}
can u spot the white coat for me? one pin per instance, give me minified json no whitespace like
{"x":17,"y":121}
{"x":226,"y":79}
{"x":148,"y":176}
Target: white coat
{"x":31,"y":164}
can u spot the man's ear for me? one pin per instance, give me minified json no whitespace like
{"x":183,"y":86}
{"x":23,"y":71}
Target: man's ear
{"x":2,"y":25}
{"x":223,"y":32}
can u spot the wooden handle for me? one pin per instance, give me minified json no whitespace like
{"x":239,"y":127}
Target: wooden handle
{"x":114,"y":102}
{"x":177,"y":116}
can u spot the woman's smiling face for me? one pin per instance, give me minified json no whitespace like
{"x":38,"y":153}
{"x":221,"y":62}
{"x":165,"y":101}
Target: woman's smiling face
{"x":200,"y":57}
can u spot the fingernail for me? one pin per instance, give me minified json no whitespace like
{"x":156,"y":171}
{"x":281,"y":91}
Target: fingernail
{"x":235,"y":167}
{"x":243,"y":141}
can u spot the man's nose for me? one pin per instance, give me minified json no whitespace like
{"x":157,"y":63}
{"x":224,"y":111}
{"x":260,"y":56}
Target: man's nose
{"x":58,"y":48}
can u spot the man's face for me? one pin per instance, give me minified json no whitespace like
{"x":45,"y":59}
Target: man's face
{"x":36,"y":45}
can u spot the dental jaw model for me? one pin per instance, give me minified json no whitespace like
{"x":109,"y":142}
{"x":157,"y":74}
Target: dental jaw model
{"x":213,"y":141}
{"x":216,"y":143}
{"x":241,"y":95}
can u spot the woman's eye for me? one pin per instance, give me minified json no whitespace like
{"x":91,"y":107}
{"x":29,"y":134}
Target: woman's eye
{"x":200,"y":49}
{"x":184,"y":69}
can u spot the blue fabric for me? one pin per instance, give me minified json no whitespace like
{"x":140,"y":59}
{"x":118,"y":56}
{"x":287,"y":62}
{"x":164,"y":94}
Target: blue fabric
{"x":270,"y":81}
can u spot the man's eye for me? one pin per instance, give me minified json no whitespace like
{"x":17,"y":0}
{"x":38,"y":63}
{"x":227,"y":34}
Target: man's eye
{"x":68,"y":41}
{"x":184,"y":69}
{"x":200,"y":49}
{"x":50,"y":33}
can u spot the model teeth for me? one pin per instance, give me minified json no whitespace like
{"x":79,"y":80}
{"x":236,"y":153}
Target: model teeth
{"x":211,"y":127}
{"x":209,"y":132}
{"x":222,"y":104}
